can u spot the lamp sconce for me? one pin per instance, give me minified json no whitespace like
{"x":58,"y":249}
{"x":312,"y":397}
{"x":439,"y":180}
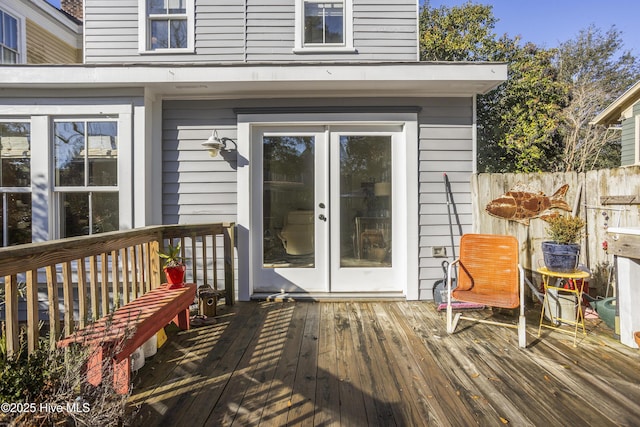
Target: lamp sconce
{"x":215,"y":144}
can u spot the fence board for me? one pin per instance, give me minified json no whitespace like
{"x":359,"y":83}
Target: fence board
{"x":587,"y":191}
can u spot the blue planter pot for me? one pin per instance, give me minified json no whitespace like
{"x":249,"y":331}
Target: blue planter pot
{"x":561,"y":258}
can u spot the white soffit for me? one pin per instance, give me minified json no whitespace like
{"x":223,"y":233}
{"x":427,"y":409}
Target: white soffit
{"x":414,"y":79}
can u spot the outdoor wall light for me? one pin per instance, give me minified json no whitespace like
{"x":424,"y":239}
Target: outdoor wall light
{"x":215,"y":144}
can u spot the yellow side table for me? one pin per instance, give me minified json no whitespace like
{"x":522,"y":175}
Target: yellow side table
{"x":576,"y":290}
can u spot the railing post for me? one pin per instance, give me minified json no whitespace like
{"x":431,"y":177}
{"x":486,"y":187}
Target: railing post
{"x":11,"y":314}
{"x":229,"y":263}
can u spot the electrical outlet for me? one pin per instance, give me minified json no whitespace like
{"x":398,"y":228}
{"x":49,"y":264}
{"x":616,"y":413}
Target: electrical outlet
{"x":438,"y":252}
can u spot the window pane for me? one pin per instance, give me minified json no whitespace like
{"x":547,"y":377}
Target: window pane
{"x":69,"y":153}
{"x":1,"y":27}
{"x":177,"y":6}
{"x":365,"y":201}
{"x":288,"y":202}
{"x":179,"y":33}
{"x":10,"y":32}
{"x":74,"y":214}
{"x":103,"y":153}
{"x":15,"y":155}
{"x":156,"y":7}
{"x":334,"y":26}
{"x":313,"y":23}
{"x":104,"y":212}
{"x":19,"y":218}
{"x":159,"y":34}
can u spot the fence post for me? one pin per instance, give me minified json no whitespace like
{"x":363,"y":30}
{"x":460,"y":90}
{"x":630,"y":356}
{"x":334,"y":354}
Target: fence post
{"x":229,"y":262}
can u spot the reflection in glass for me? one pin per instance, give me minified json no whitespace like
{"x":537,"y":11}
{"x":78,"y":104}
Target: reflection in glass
{"x":15,"y":154}
{"x":288,"y":201}
{"x":365,"y":201}
{"x":85,"y":213}
{"x":86,"y":153}
{"x":19,"y":216}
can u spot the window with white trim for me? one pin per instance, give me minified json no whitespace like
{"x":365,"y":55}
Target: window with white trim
{"x":325,"y":25}
{"x":85,"y":156}
{"x":9,"y":43}
{"x":168,"y":25}
{"x":15,"y":183}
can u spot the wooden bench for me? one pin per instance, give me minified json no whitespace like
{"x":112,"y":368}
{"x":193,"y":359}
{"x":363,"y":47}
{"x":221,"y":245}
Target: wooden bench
{"x":120,"y":333}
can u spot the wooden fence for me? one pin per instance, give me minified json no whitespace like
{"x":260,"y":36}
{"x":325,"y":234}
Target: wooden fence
{"x":604,"y":198}
{"x":85,"y":278}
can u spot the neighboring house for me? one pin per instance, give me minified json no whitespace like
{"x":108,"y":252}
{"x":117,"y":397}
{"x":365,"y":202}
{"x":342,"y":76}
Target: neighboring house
{"x":35,"y":32}
{"x":336,"y":138}
{"x":624,"y":113}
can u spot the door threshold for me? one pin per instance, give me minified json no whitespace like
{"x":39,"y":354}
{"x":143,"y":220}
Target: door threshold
{"x":328,"y":296}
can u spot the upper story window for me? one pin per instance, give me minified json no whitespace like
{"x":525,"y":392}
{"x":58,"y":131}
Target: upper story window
{"x":9,"y":52}
{"x":169,"y":25}
{"x":323,"y":23}
{"x":324,"y":26}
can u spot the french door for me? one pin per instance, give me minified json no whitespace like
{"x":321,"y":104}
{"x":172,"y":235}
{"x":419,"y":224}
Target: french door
{"x":325,"y":211}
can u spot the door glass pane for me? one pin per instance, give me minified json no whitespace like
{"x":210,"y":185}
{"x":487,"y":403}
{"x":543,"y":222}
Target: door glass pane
{"x":365,"y":201}
{"x":288,"y":201}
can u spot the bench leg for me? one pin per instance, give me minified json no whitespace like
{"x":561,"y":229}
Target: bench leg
{"x":182,"y":320}
{"x":94,"y":365}
{"x":122,"y":375}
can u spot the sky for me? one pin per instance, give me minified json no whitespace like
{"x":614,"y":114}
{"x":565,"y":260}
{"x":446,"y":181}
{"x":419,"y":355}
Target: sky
{"x":547,"y":23}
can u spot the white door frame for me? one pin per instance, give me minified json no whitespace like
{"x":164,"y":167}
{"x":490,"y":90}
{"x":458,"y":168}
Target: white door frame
{"x":248,"y":123}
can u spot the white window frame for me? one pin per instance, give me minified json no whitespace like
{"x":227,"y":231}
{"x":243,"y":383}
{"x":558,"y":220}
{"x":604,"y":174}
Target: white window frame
{"x":22,"y":36}
{"x":346,"y":47}
{"x":58,"y":190}
{"x":144,"y":30}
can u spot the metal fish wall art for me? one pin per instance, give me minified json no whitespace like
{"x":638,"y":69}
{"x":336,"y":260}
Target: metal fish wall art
{"x":522,"y":206}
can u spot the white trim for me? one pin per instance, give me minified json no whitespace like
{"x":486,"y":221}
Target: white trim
{"x":346,"y":47}
{"x":636,"y":143}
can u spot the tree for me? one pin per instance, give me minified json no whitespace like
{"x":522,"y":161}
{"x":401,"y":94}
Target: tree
{"x":518,"y":121}
{"x":596,"y":73}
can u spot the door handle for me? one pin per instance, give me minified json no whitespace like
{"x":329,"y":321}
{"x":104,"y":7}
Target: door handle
{"x":321,"y":217}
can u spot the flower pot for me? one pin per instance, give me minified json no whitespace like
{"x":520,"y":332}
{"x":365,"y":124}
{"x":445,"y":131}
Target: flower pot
{"x":175,"y":276}
{"x":561,"y":258}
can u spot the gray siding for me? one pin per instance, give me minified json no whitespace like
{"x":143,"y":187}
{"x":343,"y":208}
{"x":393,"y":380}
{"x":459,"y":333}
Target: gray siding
{"x":629,"y":138}
{"x":197,"y":188}
{"x":233,"y":31}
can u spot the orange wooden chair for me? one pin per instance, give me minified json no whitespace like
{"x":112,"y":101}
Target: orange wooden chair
{"x":488,"y":274}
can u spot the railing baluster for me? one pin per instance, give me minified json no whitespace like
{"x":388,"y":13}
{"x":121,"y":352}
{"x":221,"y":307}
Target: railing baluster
{"x":11,"y":314}
{"x":154,"y":265}
{"x":33,"y":319}
{"x":140,"y":268}
{"x":115,"y":280}
{"x":126,"y":295}
{"x":194,"y":259}
{"x":54,"y":309}
{"x":104,"y":284}
{"x":93,"y":277}
{"x":67,"y":298}
{"x":82,"y":292}
{"x":214,"y":248}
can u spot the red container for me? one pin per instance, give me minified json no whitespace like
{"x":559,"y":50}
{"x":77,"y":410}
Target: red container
{"x":175,"y":276}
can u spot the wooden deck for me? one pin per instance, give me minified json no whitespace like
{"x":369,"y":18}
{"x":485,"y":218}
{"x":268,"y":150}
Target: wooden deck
{"x":382,"y":363}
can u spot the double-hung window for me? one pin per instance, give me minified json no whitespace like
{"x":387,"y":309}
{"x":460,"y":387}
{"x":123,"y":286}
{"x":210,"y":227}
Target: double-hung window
{"x":9,"y":47}
{"x":15,"y":183}
{"x":168,"y":25}
{"x":86,"y":176}
{"x":323,"y":25}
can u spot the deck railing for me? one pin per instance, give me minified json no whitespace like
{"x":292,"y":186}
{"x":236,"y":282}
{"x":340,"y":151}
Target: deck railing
{"x":85,"y":278}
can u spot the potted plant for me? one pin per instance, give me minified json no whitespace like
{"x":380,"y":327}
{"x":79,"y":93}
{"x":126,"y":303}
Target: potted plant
{"x":174,"y":268}
{"x":562,"y":250}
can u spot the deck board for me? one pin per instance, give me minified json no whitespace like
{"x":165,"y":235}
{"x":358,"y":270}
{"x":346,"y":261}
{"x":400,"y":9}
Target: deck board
{"x":382,"y":364}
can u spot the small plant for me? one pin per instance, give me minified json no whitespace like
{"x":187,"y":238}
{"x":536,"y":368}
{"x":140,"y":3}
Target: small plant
{"x":172,"y":256}
{"x":565,"y":230}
